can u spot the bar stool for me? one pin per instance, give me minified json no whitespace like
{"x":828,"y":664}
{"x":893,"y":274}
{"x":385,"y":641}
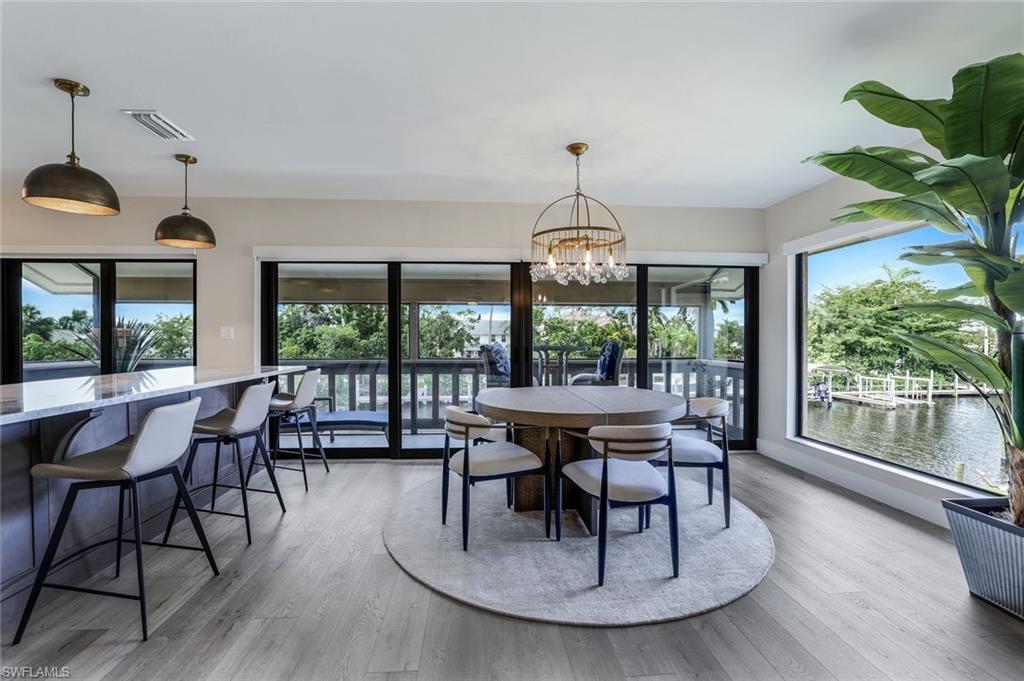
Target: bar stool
{"x":298,"y":408}
{"x":152,"y":453}
{"x":230,"y":427}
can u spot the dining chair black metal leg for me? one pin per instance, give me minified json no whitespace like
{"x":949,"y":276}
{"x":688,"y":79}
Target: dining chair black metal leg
{"x":245,"y":494}
{"x":444,"y":479}
{"x":270,"y":470}
{"x":316,"y":437}
{"x":189,"y":462}
{"x":136,"y":519}
{"x":711,"y":485}
{"x":465,"y":508}
{"x":216,"y":475}
{"x":508,"y":492}
{"x":47,"y":561}
{"x":602,"y":539}
{"x":673,"y":522}
{"x":558,"y":488}
{"x":726,"y":492}
{"x":190,"y":508}
{"x":547,"y":502}
{"x":647,"y":516}
{"x":120,"y":531}
{"x":640,"y":519}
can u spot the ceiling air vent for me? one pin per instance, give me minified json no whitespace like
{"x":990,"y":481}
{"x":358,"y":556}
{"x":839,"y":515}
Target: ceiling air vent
{"x":158,"y":124}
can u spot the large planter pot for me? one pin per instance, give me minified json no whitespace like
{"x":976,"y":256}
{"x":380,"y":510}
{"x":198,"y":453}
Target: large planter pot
{"x":991,"y":551}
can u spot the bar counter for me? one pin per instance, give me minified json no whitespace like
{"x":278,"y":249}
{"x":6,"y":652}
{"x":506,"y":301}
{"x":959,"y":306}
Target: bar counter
{"x":45,"y":421}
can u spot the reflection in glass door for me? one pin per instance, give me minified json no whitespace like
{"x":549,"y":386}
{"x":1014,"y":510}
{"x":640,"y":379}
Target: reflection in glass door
{"x":153,"y":315}
{"x":334,"y":317}
{"x":60,"y":310}
{"x":457,"y":321}
{"x":573,"y":323}
{"x":696,"y":338}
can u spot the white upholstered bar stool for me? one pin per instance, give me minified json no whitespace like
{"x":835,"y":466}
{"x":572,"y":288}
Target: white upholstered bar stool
{"x":692,"y":452}
{"x":152,"y":453}
{"x":296,"y":410}
{"x":623,"y":476}
{"x":495,"y":460}
{"x":230,"y":427}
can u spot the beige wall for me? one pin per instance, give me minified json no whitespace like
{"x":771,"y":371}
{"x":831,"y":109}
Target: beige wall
{"x":226,"y":275}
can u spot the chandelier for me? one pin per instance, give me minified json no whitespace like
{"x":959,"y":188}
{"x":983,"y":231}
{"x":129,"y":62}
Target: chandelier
{"x":583,"y":248}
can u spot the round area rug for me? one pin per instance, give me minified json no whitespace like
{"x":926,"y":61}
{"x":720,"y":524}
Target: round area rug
{"x":512,"y":569}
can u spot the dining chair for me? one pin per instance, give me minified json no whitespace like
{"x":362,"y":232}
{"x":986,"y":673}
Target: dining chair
{"x":691,"y":452}
{"x":609,"y":366}
{"x":488,"y":460}
{"x":623,"y":477}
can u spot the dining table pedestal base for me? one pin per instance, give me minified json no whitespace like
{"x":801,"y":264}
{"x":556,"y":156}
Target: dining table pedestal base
{"x":529,"y":490}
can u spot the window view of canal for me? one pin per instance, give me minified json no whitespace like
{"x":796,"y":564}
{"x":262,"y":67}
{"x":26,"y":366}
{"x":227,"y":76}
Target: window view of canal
{"x":941,"y":439}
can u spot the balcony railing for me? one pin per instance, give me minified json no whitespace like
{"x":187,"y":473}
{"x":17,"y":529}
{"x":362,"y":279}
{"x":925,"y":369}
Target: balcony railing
{"x":363,"y":384}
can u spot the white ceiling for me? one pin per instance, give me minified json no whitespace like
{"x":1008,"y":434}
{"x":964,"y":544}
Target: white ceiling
{"x":683,"y":104}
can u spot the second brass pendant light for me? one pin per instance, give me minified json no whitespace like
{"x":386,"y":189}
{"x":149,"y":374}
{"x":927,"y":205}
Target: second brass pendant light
{"x":185,"y":230}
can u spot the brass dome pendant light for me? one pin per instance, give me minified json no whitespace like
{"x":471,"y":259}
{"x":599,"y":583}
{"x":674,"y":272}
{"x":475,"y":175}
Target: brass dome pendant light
{"x":68,"y":186}
{"x":185,"y":230}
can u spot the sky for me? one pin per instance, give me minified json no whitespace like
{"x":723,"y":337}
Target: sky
{"x":862,"y":263}
{"x":60,"y":306}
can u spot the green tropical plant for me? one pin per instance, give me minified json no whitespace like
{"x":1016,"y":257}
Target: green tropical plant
{"x":974,"y":193}
{"x":133,"y":340}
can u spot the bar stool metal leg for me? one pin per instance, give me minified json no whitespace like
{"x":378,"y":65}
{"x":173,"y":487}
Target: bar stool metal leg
{"x":120,"y":529}
{"x":177,"y":500}
{"x":136,"y":507}
{"x":216,"y":474}
{"x":316,"y":436}
{"x":302,"y":452}
{"x":270,"y":470}
{"x":245,"y":496}
{"x":44,"y":565}
{"x":194,"y":516}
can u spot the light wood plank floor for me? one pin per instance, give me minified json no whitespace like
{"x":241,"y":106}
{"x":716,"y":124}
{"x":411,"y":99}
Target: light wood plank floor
{"x":858,"y":591}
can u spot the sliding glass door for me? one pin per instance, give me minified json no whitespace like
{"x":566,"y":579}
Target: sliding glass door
{"x":334,"y":317}
{"x":399,"y":342}
{"x":697,"y":320}
{"x":571,"y":323}
{"x":458,"y":326}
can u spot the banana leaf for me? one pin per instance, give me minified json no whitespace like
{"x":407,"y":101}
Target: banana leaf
{"x":960,"y":312}
{"x":895,"y":108}
{"x":1010,"y":291}
{"x":970,"y":249}
{"x":887,"y":168}
{"x":977,"y":366}
{"x":981,"y":273}
{"x":973,"y":184}
{"x":927,"y":207}
{"x":967,"y":290}
{"x":1016,"y":162}
{"x":986,"y":109}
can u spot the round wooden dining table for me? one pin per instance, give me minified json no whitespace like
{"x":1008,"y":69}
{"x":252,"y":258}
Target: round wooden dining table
{"x":574,"y":407}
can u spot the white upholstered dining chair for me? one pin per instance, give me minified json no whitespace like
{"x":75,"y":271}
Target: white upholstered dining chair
{"x":622,"y":476}
{"x":496,"y":459}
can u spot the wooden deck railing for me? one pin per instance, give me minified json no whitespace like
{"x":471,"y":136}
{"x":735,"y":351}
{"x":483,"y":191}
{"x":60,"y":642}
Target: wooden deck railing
{"x":363,"y":384}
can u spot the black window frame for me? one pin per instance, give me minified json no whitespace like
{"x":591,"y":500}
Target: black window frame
{"x":11,"y":364}
{"x":520,"y":346}
{"x":800,"y":372}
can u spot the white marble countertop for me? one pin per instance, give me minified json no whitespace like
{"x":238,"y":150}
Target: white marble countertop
{"x":39,"y":399}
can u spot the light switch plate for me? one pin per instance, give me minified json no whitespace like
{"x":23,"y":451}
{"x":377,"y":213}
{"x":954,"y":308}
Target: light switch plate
{"x":227,"y":333}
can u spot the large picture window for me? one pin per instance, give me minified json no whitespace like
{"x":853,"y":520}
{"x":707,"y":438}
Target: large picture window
{"x":863,"y":391}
